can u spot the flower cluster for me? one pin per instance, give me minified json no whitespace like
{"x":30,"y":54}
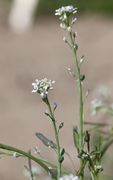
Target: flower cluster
{"x":66,"y":14}
{"x":42,"y":87}
{"x":69,"y":177}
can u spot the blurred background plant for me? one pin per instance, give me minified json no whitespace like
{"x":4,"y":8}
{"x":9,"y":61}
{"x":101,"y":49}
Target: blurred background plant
{"x":42,"y":7}
{"x":84,"y":6}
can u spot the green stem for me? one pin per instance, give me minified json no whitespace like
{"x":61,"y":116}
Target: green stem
{"x":39,"y":161}
{"x":81,"y":108}
{"x":93,"y":176}
{"x":30,"y":167}
{"x":57,"y":140}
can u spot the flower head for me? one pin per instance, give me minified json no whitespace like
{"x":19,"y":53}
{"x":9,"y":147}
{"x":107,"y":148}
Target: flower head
{"x":42,"y":87}
{"x":65,"y":14}
{"x":65,"y":10}
{"x":69,"y":177}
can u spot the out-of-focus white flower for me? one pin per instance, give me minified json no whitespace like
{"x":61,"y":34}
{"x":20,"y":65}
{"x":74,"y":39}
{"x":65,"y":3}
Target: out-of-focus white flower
{"x":42,"y":86}
{"x":63,"y":26}
{"x":69,"y":28}
{"x":95,"y":104}
{"x":103,"y":91}
{"x":69,"y":177}
{"x":35,"y":170}
{"x":64,"y":39}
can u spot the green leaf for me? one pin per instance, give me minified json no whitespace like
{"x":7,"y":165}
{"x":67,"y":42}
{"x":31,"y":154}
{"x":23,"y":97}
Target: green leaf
{"x":95,"y":124}
{"x":46,"y":141}
{"x":62,"y":152}
{"x":76,"y":138}
{"x":42,"y":162}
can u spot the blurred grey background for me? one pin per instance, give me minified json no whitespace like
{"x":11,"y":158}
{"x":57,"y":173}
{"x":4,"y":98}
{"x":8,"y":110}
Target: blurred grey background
{"x":31,"y":47}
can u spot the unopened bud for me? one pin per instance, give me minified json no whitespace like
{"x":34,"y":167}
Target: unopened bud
{"x":64,"y":39}
{"x":69,"y":29}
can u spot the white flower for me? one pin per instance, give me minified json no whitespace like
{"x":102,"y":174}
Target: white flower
{"x":96,"y":103}
{"x":64,"y":39}
{"x":69,"y":177}
{"x":42,"y":86}
{"x":63,"y":26}
{"x":74,"y":20}
{"x":66,"y":14}
{"x":69,"y":28}
{"x":63,"y":17}
{"x":15,"y":154}
{"x":103,"y":91}
{"x":65,"y":9}
{"x":35,"y":170}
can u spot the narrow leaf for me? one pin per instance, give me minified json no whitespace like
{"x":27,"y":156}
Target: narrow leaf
{"x":40,"y":161}
{"x":95,"y":124}
{"x":76,"y":138}
{"x":46,"y":141}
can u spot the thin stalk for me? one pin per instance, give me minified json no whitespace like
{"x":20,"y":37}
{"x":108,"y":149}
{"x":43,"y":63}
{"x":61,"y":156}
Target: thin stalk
{"x":30,"y":167}
{"x":57,"y":140}
{"x":39,"y":161}
{"x":81,"y":108}
{"x":93,"y":176}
